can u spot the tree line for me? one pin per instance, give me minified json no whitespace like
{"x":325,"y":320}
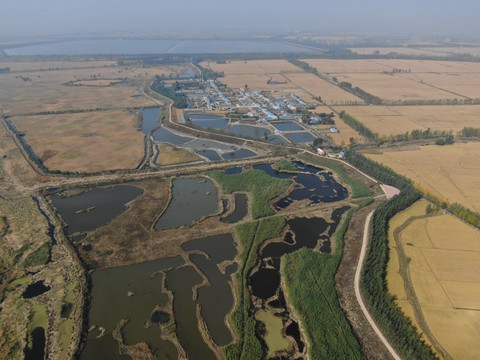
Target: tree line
{"x":362,"y":94}
{"x":398,"y":328}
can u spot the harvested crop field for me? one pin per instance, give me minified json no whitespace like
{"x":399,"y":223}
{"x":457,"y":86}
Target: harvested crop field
{"x":255,"y":73}
{"x":396,"y":284}
{"x":397,"y":88}
{"x":316,"y":86}
{"x":445,"y":277}
{"x":449,"y":172}
{"x":253,"y":67}
{"x":392,"y":120}
{"x":90,"y":141}
{"x":381,"y":119}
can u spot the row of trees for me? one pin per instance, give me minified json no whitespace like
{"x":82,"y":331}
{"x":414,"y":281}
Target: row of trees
{"x":367,"y":97}
{"x":388,"y":315}
{"x":469,"y":132}
{"x":357,"y":126}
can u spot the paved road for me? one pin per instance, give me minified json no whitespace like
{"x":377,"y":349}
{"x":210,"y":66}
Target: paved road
{"x":359,"y":295}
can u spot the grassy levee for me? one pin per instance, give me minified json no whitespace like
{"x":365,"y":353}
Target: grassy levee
{"x":250,"y":235}
{"x":396,"y":326}
{"x":358,"y":188}
{"x":263,"y":187}
{"x":310,"y":282}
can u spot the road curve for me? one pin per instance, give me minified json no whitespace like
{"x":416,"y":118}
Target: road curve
{"x":359,"y":295}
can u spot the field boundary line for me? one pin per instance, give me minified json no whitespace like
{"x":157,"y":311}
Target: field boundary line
{"x":358,"y":294}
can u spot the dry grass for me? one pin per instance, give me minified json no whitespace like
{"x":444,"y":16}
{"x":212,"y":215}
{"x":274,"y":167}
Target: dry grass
{"x":47,"y":90}
{"x":91,"y":141}
{"x":316,"y":86}
{"x":445,"y":276}
{"x":450,"y":172}
{"x":53,"y":65}
{"x":170,"y":154}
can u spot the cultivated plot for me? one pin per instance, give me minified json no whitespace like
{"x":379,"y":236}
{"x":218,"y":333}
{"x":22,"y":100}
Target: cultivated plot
{"x":318,"y":87}
{"x":450,"y":172}
{"x":445,"y":278}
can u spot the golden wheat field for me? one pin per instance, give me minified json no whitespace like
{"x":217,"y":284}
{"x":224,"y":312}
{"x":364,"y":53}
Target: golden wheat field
{"x":90,"y":141}
{"x":317,"y":87}
{"x":450,"y":172}
{"x":444,"y":268}
{"x":396,"y":285}
{"x":392,"y":120}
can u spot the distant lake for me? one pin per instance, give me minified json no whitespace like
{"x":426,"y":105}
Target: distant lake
{"x":143,"y":46}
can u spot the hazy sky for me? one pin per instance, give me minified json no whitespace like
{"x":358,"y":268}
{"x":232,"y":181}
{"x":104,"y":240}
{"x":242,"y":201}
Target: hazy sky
{"x":66,"y":17}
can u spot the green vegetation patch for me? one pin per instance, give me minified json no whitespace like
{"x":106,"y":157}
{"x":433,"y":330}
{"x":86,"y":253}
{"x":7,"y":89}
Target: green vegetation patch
{"x":310,"y":281}
{"x":250,"y":235}
{"x":40,"y":256}
{"x":358,"y":188}
{"x":263,"y":187}
{"x":21,"y":282}
{"x":284,"y":165}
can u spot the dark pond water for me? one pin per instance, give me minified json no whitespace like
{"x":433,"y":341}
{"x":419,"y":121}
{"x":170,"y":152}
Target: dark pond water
{"x":37,"y":352}
{"x":180,"y":282}
{"x":150,"y":119}
{"x":277,"y":139}
{"x":300,"y":137}
{"x":293,"y":330}
{"x":35,"y":289}
{"x":209,"y":121}
{"x":287,"y":126}
{"x":191,"y":200}
{"x":307,"y":232}
{"x":211,"y":155}
{"x":265,"y":282}
{"x":239,"y":154}
{"x":241,"y":209}
{"x":312,"y":183}
{"x":110,"y":303}
{"x":92,"y":209}
{"x":231,"y":171}
{"x":306,"y":235}
{"x":217,"y":299}
{"x":160,"y":317}
{"x":66,"y":310}
{"x":151,"y":46}
{"x":165,"y":135}
{"x":255,"y":132}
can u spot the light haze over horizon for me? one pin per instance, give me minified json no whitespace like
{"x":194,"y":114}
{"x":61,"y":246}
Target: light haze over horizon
{"x":29,"y":18}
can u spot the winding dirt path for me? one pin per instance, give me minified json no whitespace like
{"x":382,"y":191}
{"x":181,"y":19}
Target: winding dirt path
{"x":358,"y":295}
